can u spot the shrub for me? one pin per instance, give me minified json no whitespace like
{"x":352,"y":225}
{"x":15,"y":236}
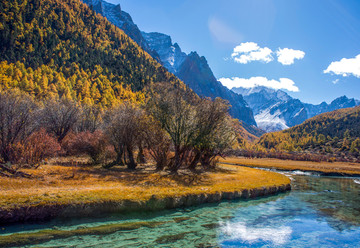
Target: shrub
{"x":89,"y":143}
{"x":37,"y":147}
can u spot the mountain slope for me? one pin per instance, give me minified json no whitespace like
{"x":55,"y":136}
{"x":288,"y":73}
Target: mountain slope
{"x":192,"y":69}
{"x":170,"y":54}
{"x":122,"y":20}
{"x":73,"y":50}
{"x":275,"y":110}
{"x":196,"y":73}
{"x":336,"y":133}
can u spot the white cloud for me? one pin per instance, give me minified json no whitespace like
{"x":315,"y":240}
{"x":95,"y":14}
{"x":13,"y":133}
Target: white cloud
{"x":283,"y":83}
{"x":345,"y":67}
{"x":287,"y":56}
{"x":335,"y":81}
{"x":250,"y":51}
{"x":246,"y":47}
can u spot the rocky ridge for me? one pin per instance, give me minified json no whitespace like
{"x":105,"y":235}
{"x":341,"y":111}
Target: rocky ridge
{"x":275,"y":110}
{"x":192,"y":69}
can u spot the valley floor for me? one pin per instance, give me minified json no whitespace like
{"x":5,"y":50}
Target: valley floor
{"x":324,"y":168}
{"x":65,"y":188}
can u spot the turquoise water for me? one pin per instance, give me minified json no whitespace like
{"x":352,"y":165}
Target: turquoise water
{"x":318,"y":212}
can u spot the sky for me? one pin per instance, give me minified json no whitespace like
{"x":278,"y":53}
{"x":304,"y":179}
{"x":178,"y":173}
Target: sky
{"x":310,"y":49}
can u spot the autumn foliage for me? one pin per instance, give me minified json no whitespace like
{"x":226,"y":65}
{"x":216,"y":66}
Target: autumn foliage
{"x":93,"y":144}
{"x":37,"y":147}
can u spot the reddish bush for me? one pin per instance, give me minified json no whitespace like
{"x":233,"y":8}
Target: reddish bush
{"x":37,"y":147}
{"x":92,"y":144}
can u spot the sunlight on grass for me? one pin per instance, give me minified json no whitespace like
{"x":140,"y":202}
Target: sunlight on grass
{"x":326,"y":167}
{"x":64,"y":185}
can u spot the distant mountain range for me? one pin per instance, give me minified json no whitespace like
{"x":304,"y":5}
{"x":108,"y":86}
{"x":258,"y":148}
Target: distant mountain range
{"x":275,"y":110}
{"x":191,"y":68}
{"x":268,"y":109}
{"x":334,"y":133}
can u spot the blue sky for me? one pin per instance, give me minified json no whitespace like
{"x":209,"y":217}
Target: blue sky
{"x":287,"y":44}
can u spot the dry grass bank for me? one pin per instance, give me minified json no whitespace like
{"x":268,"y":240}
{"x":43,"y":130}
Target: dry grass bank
{"x":339,"y":168}
{"x":65,"y":183}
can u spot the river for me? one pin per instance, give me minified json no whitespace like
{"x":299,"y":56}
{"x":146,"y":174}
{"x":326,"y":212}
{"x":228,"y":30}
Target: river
{"x":318,"y":212}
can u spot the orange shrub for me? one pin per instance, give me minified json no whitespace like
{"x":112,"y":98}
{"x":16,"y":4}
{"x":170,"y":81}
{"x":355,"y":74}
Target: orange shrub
{"x":37,"y":147}
{"x":89,"y":143}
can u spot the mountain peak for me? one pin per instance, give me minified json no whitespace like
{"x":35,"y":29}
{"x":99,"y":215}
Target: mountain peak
{"x":118,"y":8}
{"x":170,"y":54}
{"x":194,"y":54}
{"x":275,"y":110}
{"x":192,"y":69}
{"x":156,"y":39}
{"x":97,"y":5}
{"x":122,"y":20}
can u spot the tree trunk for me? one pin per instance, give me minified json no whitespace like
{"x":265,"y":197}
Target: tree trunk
{"x":141,"y":157}
{"x":131,"y":165}
{"x":119,"y":154}
{"x":195,"y":161}
{"x":205,"y":160}
{"x":160,"y":164}
{"x":14,"y":172}
{"x":177,"y":162}
{"x":5,"y":154}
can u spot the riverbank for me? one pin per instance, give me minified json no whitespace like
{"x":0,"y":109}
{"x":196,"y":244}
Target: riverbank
{"x":322,"y":168}
{"x":76,"y":191}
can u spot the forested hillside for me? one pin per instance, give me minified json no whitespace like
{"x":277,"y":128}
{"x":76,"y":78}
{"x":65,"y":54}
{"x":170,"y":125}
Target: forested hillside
{"x":191,"y":68}
{"x":71,"y":83}
{"x":334,"y":133}
{"x":62,"y":47}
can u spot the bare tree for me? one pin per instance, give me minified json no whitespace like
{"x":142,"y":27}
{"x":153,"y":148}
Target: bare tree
{"x":169,"y":105}
{"x":123,"y":129}
{"x":17,"y":122}
{"x":214,"y":132}
{"x":199,"y":129}
{"x":90,"y":118}
{"x":157,"y":143}
{"x":59,"y":117}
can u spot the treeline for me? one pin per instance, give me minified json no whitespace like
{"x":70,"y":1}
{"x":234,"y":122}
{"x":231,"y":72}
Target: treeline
{"x":75,"y":84}
{"x":172,"y":128}
{"x":333,"y":136}
{"x":69,"y":38}
{"x":286,"y":155}
{"x":72,"y":83}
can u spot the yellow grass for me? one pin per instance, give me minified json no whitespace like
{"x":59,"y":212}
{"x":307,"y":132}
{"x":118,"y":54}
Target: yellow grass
{"x":325,"y":167}
{"x":70,"y":184}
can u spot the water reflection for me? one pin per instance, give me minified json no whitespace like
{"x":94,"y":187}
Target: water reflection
{"x":335,"y":198}
{"x":249,"y":234}
{"x":319,"y":212}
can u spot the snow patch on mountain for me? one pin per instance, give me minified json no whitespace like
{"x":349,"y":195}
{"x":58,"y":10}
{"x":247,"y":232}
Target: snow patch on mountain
{"x":275,"y":110}
{"x":270,"y":121}
{"x":170,"y":54}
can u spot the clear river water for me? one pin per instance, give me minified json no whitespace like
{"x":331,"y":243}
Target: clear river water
{"x":318,"y":212}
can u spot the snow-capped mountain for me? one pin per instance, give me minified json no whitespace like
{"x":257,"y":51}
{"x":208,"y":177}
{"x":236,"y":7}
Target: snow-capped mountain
{"x":190,"y":68}
{"x":196,"y":73}
{"x":275,"y":110}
